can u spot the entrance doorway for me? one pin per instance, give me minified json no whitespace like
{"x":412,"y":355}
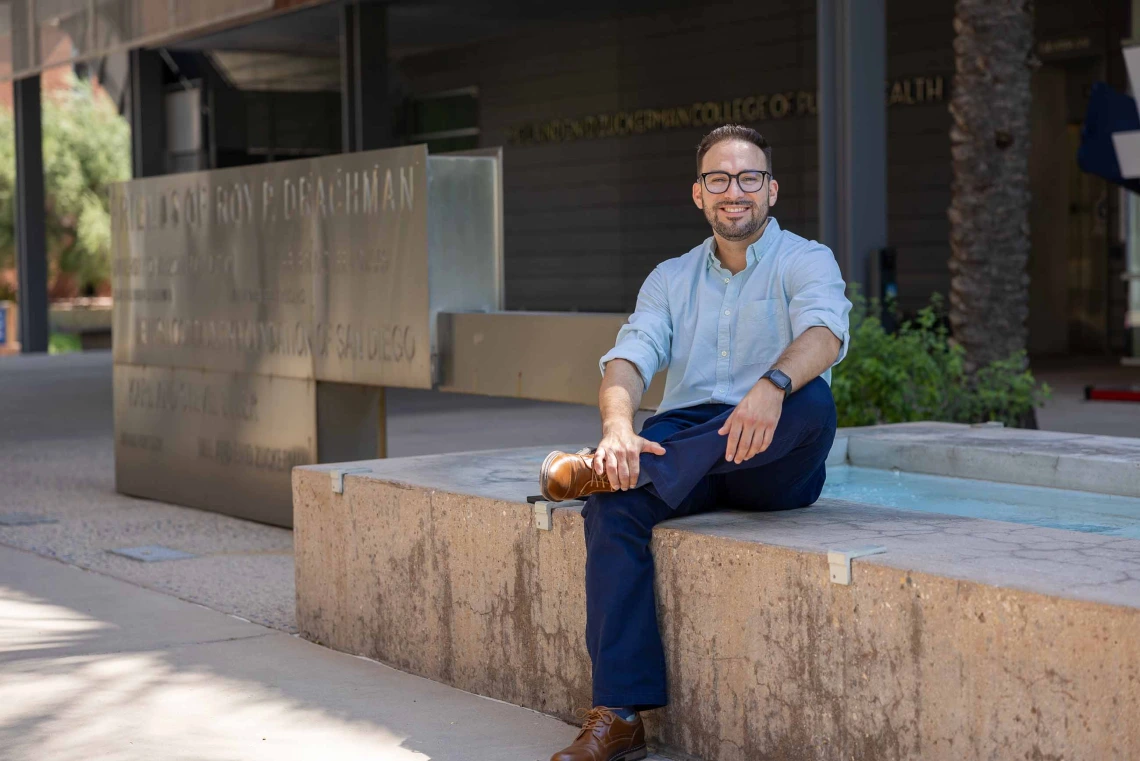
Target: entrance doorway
{"x":1069,"y":290}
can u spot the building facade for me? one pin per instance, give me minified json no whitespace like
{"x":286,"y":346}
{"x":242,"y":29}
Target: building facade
{"x":599,"y":109}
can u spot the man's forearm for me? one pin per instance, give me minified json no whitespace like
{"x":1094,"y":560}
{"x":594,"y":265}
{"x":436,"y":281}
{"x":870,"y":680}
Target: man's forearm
{"x":809,"y":356}
{"x":620,"y":394}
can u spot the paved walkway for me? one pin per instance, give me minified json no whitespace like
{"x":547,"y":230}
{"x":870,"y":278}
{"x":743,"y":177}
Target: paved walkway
{"x":121,"y":664}
{"x":1067,"y":409}
{"x":96,"y":668}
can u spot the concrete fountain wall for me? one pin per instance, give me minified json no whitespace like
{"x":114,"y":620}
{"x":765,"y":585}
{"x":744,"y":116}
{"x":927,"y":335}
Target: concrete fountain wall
{"x":967,"y":639}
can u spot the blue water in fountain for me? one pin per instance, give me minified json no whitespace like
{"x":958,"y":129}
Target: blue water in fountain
{"x":1035,"y":505}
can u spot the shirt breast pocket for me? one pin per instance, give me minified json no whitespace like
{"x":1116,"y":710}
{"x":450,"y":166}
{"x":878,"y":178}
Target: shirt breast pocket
{"x":759,"y":332}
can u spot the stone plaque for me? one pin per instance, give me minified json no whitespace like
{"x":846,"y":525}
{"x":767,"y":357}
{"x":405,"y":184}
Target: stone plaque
{"x":314,"y":269}
{"x":215,"y":440}
{"x":260,"y":311}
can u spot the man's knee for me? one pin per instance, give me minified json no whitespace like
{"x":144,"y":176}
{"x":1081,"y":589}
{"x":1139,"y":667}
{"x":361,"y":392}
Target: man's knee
{"x":815,"y":402}
{"x":808,"y":493}
{"x":799,"y":495}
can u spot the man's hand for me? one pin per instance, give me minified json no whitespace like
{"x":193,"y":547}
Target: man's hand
{"x":751,"y":425}
{"x":619,"y":455}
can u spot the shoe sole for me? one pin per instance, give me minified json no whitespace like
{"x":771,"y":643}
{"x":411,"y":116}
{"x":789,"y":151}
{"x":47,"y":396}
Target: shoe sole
{"x":543,"y":478}
{"x":635,"y":754}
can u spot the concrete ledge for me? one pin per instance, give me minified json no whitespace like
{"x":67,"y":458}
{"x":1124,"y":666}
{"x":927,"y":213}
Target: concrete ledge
{"x":83,"y":315}
{"x":1103,"y":464}
{"x":89,"y":318}
{"x":968,"y":639}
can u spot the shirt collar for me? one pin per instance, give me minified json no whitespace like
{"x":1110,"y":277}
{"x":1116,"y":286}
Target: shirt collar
{"x":755,"y":252}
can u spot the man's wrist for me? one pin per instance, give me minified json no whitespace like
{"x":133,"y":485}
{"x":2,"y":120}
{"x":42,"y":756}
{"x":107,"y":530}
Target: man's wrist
{"x":616,"y":426}
{"x":771,"y":388}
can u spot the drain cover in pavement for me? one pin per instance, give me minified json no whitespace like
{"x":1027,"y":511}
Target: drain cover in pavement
{"x":152,"y":553}
{"x":24,"y":519}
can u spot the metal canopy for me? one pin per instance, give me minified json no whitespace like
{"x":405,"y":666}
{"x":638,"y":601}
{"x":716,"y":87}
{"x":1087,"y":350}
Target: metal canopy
{"x":40,"y":34}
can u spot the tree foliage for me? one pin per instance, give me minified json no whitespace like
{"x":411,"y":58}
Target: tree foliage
{"x":919,"y":373}
{"x":86,"y":146}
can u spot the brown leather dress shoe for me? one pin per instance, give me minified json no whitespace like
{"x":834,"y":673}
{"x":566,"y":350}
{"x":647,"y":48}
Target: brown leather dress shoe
{"x":571,"y":476}
{"x":605,"y":736}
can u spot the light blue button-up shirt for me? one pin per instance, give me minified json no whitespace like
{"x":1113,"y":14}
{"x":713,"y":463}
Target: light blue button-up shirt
{"x":716,"y":332}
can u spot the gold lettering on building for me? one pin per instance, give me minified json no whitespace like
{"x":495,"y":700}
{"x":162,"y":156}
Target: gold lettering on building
{"x":752,"y":108}
{"x":1064,"y":45}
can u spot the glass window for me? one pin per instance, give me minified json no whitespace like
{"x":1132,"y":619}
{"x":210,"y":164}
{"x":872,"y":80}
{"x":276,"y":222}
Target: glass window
{"x":446,"y":121}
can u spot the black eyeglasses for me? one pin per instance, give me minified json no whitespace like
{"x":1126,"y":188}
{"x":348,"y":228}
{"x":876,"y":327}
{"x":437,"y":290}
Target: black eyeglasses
{"x":750,"y":180}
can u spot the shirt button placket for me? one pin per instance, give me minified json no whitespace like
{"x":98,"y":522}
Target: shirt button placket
{"x":722,"y":367}
{"x":730,"y":303}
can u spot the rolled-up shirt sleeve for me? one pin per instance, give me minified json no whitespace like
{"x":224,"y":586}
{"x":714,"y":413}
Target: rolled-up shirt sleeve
{"x":647,"y":336}
{"x":817,"y":295}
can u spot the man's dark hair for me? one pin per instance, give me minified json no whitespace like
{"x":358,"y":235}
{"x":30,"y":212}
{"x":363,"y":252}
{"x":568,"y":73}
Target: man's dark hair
{"x":733,"y":132}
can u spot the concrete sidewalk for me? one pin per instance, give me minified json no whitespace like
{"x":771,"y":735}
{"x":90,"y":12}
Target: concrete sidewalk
{"x":147,"y":664}
{"x":96,"y":668}
{"x":1068,"y":411}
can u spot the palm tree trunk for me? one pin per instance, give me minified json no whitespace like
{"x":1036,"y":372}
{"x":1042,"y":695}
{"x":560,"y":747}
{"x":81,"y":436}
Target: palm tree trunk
{"x":989,"y":206}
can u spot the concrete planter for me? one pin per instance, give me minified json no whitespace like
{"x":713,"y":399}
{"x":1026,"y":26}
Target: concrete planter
{"x":967,"y":639}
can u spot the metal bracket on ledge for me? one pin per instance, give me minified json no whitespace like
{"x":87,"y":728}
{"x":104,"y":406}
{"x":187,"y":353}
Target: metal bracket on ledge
{"x":840,"y":561}
{"x":337,"y":477}
{"x":544,"y":512}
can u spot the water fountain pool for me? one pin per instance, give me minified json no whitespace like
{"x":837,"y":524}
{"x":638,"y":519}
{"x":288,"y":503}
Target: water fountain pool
{"x":1034,"y":505}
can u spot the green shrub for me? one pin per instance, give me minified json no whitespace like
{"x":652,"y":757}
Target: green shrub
{"x":919,"y":373}
{"x":63,"y":343}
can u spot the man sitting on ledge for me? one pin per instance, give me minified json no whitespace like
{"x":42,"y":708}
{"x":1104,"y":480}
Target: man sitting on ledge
{"x":749,"y":324}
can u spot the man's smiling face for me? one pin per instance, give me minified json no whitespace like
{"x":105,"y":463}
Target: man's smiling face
{"x":735,"y":215}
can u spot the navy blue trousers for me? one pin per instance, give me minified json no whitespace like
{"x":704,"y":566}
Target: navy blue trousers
{"x":691,"y":477}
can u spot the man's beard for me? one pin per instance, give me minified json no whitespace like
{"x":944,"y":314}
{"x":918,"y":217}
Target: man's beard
{"x":741,"y":229}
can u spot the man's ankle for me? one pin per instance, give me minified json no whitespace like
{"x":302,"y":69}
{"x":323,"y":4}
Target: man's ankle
{"x":625,"y":713}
